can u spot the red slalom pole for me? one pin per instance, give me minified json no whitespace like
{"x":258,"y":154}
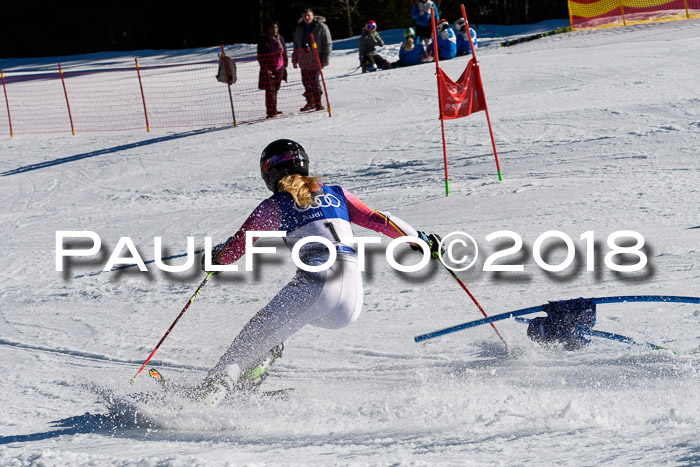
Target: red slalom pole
{"x":228,"y":86}
{"x":65,"y":92}
{"x":143,"y":97}
{"x":7,"y":103}
{"x":189,"y":302}
{"x":481,"y":88}
{"x":483,"y":312}
{"x":320,"y":70}
{"x":442,"y":119}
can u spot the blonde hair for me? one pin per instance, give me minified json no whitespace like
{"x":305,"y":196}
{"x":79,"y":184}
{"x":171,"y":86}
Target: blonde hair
{"x":300,"y":187}
{"x":408,"y":46}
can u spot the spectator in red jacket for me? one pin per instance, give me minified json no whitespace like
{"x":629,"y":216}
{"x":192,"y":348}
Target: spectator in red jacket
{"x":272,"y":56}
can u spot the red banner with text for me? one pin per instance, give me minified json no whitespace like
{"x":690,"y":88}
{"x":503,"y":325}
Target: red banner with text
{"x":464,"y":97}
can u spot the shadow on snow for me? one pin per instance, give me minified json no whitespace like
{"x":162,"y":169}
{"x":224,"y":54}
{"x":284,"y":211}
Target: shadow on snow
{"x":115,"y":149}
{"x":88,"y":423}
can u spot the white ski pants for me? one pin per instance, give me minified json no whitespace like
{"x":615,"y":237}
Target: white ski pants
{"x":330,"y":299}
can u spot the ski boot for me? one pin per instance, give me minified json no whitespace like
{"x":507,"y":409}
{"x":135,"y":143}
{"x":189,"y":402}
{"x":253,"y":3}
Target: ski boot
{"x":212,"y":391}
{"x":369,"y":68}
{"x":216,"y":388}
{"x":251,"y":379}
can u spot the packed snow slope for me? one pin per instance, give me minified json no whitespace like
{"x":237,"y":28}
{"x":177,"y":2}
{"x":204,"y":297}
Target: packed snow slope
{"x":596,"y":131}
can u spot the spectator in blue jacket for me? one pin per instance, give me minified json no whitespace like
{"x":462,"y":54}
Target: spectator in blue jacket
{"x":462,"y":37}
{"x":422,"y":14}
{"x":446,"y":41}
{"x":411,"y":52}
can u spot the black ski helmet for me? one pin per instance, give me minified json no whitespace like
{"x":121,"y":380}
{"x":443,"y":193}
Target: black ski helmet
{"x":282,"y":157}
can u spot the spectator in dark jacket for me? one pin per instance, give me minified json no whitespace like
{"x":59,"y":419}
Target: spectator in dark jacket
{"x":272,"y":56}
{"x":369,"y":41}
{"x":304,"y":55}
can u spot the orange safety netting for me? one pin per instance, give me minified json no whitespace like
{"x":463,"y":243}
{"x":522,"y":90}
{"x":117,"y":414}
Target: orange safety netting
{"x":589,"y":14}
{"x":155,"y":96}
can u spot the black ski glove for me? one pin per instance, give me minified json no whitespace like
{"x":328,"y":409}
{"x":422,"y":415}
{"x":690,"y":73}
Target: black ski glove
{"x":434,"y":243}
{"x":214,"y":253}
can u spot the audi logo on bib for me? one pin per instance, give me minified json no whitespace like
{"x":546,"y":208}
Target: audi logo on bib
{"x":322,"y":201}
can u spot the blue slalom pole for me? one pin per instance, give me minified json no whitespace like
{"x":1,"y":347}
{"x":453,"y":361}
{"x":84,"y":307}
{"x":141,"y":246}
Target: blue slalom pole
{"x":479,"y":322}
{"x":535,"y":309}
{"x":646,"y":298}
{"x":620,"y":338}
{"x":609,"y":335}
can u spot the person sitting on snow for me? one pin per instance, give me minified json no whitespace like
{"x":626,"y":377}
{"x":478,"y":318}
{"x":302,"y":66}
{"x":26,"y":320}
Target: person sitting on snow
{"x":446,"y":41}
{"x":411,"y":52}
{"x":369,"y":41}
{"x":463,"y":47}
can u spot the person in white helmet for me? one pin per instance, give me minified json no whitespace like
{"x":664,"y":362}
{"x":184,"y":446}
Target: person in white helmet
{"x":446,"y":41}
{"x":463,"y":47}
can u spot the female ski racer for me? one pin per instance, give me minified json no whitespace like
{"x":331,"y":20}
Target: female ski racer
{"x":301,"y":206}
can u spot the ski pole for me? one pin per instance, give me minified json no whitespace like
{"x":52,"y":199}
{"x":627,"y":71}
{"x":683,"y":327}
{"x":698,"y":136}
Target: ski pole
{"x":609,"y":335}
{"x":483,"y":312}
{"x":206,"y":279}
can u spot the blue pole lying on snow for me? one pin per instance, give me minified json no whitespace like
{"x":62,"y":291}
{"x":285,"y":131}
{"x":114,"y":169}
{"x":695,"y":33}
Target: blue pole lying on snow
{"x":609,"y":335}
{"x":535,"y":309}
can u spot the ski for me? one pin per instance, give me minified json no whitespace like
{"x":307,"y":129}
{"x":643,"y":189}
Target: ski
{"x":187,"y":390}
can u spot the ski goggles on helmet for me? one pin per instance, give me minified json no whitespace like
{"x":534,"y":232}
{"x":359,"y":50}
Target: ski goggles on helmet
{"x":270,"y":162}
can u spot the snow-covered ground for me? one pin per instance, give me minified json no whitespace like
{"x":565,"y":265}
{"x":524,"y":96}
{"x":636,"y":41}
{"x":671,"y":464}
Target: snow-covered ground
{"x":596,"y":130}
